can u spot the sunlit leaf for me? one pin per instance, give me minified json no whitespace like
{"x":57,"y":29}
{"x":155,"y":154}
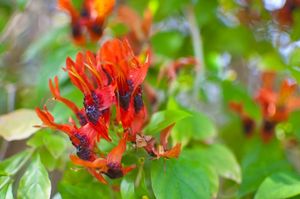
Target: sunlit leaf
{"x":4,"y":180}
{"x":13,"y":164}
{"x":35,"y":182}
{"x":18,"y":125}
{"x":127,"y":187}
{"x":6,"y":192}
{"x":279,"y":185}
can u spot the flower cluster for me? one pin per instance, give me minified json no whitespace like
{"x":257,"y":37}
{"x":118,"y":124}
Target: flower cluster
{"x":90,"y":18}
{"x":113,"y":76}
{"x":275,"y":105}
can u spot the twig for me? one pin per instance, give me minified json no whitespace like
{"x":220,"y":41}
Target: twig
{"x":198,"y":48}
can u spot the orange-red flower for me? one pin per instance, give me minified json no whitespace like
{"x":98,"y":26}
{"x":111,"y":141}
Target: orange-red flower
{"x":285,"y":15}
{"x":83,"y":138}
{"x":139,"y":31}
{"x":276,"y":106}
{"x":89,"y":77}
{"x":90,"y":18}
{"x":113,"y":76}
{"x":129,"y":73}
{"x":171,"y":71}
{"x":110,"y":166}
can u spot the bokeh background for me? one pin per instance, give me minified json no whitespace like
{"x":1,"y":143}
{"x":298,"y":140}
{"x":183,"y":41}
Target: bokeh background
{"x":232,"y":41}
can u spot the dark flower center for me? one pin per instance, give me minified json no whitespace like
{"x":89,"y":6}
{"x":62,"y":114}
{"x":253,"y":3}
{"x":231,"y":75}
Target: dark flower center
{"x":92,"y":108}
{"x":84,"y":13}
{"x":125,"y":92}
{"x":138,"y":101}
{"x":82,"y":119}
{"x":97,"y":29}
{"x":76,"y":30}
{"x":268,"y":126}
{"x":248,"y":125}
{"x":125,"y":100}
{"x":82,"y":149}
{"x":114,"y":171}
{"x":93,"y":113}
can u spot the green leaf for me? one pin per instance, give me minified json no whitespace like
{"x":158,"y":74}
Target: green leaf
{"x":198,"y":126}
{"x":87,"y":190}
{"x":127,"y":187}
{"x":47,"y":159}
{"x":220,"y":158}
{"x":4,"y":180}
{"x":213,"y":179}
{"x":260,"y":161}
{"x":279,"y":185}
{"x":79,"y":184}
{"x":205,"y":11}
{"x":179,"y":179}
{"x":6,"y":192}
{"x":294,"y":121}
{"x":37,"y":139}
{"x":18,"y":125}
{"x":272,"y":61}
{"x":167,"y":43}
{"x":163,"y":119}
{"x":238,"y":40}
{"x":13,"y":164}
{"x":119,"y":29}
{"x":295,"y":32}
{"x":141,"y":184}
{"x":55,"y":144}
{"x":35,"y":182}
{"x":167,"y":8}
{"x":295,"y":72}
{"x":294,"y":58}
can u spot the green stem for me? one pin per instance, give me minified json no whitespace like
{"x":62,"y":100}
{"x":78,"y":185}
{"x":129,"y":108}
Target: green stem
{"x":198,"y":48}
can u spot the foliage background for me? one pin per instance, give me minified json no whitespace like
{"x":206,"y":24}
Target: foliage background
{"x":218,"y":161}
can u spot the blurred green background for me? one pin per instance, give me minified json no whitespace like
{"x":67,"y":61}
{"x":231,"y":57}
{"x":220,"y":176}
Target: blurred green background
{"x":233,"y":42}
